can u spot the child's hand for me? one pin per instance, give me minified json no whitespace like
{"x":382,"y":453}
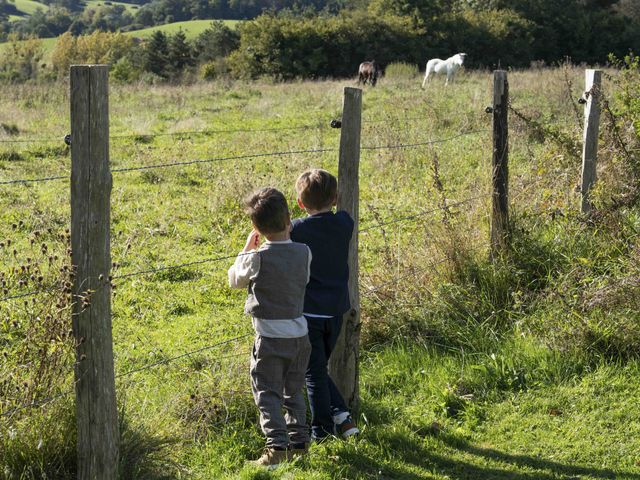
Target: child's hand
{"x":253,"y":240}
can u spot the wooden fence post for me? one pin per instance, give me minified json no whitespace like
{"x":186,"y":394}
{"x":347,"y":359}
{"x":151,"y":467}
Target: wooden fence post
{"x":96,"y":409}
{"x":500,"y":165}
{"x":593,"y":84}
{"x":344,"y":361}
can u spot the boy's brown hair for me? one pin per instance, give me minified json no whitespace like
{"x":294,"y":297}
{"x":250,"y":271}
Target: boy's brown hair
{"x":268,"y":210}
{"x":317,"y":189}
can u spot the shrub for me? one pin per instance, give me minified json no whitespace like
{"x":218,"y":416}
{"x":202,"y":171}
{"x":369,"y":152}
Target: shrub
{"x":619,"y":163}
{"x":123,"y":71}
{"x":99,"y":47}
{"x":214,"y":69}
{"x":21,"y":60}
{"x":488,"y":37}
{"x":287,"y":48}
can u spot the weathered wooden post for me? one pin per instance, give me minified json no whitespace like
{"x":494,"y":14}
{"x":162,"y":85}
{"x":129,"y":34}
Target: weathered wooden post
{"x":499,"y":234}
{"x":593,"y":84}
{"x":96,"y":409}
{"x":344,"y":361}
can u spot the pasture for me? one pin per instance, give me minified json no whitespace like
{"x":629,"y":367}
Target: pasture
{"x":191,"y":28}
{"x":464,"y":371}
{"x":130,"y":7}
{"x":28,"y":7}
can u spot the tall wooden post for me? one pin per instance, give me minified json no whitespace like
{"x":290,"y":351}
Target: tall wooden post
{"x":500,"y":165}
{"x":344,"y":361}
{"x":593,"y":84}
{"x":96,"y":409}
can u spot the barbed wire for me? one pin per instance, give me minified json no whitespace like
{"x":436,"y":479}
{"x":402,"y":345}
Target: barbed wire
{"x":182,"y":355}
{"x":421,"y":214}
{"x":222,"y":159}
{"x":43,"y":402}
{"x":248,"y":156}
{"x":27,"y":294}
{"x":320,"y":124}
{"x":427,"y":142}
{"x":181,"y":265}
{"x":34,"y":180}
{"x":37,"y":403}
{"x":412,"y":271}
{"x":149,"y":271}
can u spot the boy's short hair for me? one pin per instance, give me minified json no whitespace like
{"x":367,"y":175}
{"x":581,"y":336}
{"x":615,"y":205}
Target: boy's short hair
{"x":317,"y":189}
{"x":268,"y":210}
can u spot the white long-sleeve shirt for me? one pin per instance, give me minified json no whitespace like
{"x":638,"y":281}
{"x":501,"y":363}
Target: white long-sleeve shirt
{"x":242,"y":272}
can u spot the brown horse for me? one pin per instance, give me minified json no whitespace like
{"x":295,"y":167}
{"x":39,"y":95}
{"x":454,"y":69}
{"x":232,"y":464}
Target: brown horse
{"x":368,"y":71}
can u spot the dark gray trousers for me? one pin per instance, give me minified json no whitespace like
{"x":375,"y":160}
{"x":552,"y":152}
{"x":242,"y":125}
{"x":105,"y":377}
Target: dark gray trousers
{"x":278,"y":367}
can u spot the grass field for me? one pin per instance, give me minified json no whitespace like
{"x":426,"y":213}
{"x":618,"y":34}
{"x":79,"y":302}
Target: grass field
{"x":130,"y":7}
{"x":28,"y":7}
{"x":467,"y":369}
{"x":191,"y":28}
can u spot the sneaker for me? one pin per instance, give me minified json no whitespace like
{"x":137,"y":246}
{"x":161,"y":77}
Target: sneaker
{"x":271,"y":458}
{"x":324,"y":438}
{"x":297,"y":450}
{"x":344,"y":425}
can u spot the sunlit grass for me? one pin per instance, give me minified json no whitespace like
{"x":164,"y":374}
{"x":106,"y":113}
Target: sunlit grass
{"x":458,"y":355}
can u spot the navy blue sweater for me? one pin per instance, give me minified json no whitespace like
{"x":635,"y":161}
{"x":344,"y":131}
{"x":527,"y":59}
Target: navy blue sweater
{"x":327,"y":235}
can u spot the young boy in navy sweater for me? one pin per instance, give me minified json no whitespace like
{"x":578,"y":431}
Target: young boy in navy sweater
{"x":326,"y":299}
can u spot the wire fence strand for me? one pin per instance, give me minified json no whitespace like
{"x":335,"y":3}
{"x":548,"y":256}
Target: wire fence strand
{"x":415,"y":216}
{"x":43,"y":402}
{"x":220,"y":258}
{"x":182,"y":355}
{"x":320,"y":123}
{"x":246,"y":157}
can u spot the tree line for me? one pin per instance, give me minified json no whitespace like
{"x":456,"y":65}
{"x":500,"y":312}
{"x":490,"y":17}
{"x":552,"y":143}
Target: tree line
{"x":293,"y":44}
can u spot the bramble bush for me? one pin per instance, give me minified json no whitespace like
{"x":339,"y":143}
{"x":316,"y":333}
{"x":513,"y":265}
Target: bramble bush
{"x":21,"y":61}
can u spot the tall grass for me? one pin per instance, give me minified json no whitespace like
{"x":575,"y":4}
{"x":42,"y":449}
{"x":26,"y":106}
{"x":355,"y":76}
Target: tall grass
{"x":449,"y":338}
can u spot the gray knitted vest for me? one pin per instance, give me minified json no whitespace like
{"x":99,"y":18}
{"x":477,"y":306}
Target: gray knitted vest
{"x":277,"y":292}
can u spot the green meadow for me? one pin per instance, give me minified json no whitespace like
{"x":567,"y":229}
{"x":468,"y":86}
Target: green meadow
{"x":191,"y":28}
{"x":28,"y":7}
{"x":130,"y":7}
{"x":520,"y":369}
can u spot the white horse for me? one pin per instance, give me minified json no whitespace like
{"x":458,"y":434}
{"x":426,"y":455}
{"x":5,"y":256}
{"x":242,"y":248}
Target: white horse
{"x":449,"y":66}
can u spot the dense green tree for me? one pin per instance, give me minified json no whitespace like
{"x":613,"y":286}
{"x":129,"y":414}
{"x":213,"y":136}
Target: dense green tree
{"x":180,"y":53}
{"x":216,"y":41}
{"x":156,"y":54}
{"x":420,"y":11}
{"x":7,"y":9}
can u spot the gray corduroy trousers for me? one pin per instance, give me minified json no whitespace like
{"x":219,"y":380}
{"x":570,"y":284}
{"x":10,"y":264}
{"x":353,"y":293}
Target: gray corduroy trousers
{"x":278,"y":367}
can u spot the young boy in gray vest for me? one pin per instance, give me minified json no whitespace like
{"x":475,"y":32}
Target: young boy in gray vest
{"x":276,"y":274}
{"x":328,"y":235}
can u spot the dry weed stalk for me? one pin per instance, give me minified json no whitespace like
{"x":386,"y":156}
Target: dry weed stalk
{"x":37,"y":343}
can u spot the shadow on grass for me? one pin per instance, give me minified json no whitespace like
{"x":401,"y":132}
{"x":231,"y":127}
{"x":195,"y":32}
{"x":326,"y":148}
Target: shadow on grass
{"x":145,"y":455}
{"x":409,"y":449}
{"x":533,"y":462}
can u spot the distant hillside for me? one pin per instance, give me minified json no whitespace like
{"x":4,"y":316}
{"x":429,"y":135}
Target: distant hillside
{"x":27,"y":7}
{"x":191,"y":28}
{"x":130,"y":7}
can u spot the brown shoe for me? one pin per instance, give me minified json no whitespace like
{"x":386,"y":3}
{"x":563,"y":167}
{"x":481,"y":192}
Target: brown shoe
{"x":271,"y":458}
